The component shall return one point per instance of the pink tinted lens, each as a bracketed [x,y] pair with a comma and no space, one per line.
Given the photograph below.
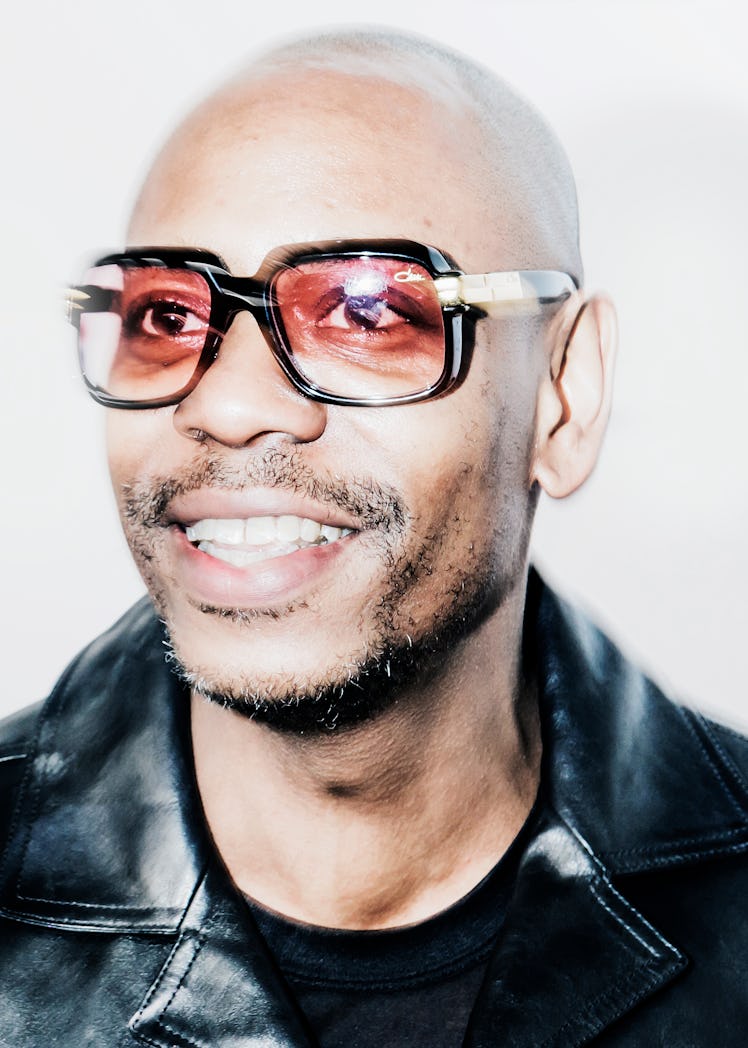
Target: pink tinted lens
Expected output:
[362,327]
[143,329]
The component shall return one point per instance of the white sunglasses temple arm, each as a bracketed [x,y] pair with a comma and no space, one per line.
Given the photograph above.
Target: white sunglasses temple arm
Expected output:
[533,285]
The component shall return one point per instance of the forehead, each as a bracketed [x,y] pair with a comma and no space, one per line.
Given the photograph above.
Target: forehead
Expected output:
[318,155]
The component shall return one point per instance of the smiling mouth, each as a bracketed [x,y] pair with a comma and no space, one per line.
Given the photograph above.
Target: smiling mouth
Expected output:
[251,541]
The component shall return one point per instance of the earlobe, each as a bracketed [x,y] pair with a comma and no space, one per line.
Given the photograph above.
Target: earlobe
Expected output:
[575,398]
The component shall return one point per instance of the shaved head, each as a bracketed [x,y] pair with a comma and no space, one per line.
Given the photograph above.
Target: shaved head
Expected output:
[499,158]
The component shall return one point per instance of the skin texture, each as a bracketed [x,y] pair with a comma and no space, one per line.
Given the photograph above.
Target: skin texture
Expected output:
[391,820]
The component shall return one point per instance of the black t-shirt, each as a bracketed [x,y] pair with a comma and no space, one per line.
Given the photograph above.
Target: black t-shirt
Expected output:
[412,986]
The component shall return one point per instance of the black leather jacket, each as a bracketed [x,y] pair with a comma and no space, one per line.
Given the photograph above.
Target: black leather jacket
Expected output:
[120,927]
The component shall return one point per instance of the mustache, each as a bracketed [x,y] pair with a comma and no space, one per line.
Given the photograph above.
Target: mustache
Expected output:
[375,505]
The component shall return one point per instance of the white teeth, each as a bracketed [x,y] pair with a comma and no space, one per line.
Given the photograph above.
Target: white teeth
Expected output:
[331,534]
[242,542]
[289,528]
[228,531]
[310,530]
[259,530]
[240,558]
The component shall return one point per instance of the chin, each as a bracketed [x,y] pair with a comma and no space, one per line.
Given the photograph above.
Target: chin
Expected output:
[274,654]
[308,702]
[355,689]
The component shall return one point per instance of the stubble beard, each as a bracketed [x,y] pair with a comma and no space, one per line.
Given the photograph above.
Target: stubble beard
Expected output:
[393,657]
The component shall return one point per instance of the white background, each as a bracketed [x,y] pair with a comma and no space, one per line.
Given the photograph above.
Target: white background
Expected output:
[651,101]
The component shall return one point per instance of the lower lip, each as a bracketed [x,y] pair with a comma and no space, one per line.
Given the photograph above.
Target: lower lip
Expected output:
[211,581]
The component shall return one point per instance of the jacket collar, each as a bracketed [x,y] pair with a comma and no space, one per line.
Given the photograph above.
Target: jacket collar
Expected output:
[639,778]
[566,926]
[109,836]
[110,829]
[572,955]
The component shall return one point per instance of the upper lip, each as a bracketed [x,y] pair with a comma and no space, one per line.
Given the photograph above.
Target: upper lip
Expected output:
[223,504]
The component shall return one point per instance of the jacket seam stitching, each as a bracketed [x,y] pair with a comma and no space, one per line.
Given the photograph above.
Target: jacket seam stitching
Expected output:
[690,719]
[158,979]
[671,851]
[182,1039]
[619,920]
[668,848]
[738,736]
[113,906]
[600,878]
[29,785]
[722,753]
[691,856]
[589,1012]
[198,942]
[52,921]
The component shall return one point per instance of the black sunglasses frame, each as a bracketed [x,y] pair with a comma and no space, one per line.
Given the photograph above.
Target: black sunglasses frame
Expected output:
[231,295]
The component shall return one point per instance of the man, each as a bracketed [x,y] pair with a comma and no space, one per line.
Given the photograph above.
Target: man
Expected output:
[389,789]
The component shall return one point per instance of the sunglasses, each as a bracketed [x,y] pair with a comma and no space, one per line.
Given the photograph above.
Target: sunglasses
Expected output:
[361,323]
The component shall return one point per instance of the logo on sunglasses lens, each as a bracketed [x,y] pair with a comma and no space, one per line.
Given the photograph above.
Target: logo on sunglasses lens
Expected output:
[407,276]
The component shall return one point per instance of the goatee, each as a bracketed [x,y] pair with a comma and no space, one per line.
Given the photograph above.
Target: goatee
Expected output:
[373,686]
[393,656]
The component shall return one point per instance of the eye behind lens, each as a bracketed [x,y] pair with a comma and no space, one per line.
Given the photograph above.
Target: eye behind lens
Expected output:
[145,344]
[361,327]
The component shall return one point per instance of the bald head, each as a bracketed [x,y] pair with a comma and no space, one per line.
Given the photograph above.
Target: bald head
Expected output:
[469,158]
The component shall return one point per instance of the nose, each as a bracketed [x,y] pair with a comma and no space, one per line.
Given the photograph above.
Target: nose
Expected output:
[245,395]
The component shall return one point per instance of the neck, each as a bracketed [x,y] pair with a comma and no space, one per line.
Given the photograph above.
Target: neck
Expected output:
[392,821]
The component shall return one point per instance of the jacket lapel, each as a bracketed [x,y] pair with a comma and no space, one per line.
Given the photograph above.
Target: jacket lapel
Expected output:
[631,784]
[110,838]
[572,956]
[220,986]
[635,775]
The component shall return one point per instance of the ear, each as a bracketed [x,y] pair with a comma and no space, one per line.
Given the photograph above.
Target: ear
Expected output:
[574,399]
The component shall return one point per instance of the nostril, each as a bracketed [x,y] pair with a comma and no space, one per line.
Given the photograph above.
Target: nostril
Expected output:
[198,435]
[244,395]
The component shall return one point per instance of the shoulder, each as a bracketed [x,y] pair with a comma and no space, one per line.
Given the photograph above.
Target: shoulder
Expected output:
[647,782]
[730,746]
[135,633]
[17,734]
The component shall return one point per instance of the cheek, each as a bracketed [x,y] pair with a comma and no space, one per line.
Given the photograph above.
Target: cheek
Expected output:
[458,462]
[510,359]
[470,456]
[135,443]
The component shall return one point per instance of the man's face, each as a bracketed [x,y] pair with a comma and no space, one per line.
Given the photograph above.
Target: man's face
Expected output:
[428,503]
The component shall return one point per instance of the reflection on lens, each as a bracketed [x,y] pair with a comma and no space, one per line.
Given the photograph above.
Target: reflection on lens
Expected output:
[142,329]
[361,327]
